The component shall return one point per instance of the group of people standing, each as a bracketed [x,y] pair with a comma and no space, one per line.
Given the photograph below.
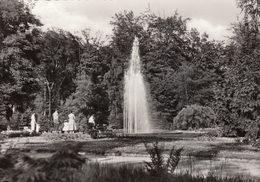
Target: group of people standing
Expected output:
[68,126]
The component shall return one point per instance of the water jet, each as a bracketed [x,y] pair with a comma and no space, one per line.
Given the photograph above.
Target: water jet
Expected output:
[136,112]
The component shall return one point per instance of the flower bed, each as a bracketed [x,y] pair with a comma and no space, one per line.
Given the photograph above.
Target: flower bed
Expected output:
[15,133]
[65,136]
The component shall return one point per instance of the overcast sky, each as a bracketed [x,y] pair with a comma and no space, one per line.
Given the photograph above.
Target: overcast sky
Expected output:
[211,16]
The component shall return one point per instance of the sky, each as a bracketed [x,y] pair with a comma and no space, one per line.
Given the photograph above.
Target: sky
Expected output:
[211,16]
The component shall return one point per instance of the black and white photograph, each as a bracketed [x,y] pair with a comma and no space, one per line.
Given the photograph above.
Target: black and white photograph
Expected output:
[129,90]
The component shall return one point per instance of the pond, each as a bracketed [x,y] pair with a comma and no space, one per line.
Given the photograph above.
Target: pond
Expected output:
[196,166]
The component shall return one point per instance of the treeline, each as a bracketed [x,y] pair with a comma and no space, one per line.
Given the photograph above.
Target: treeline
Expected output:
[54,69]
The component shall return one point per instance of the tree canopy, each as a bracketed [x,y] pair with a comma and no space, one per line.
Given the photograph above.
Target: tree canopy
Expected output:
[54,69]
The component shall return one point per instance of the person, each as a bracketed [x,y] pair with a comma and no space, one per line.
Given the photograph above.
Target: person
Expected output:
[72,124]
[37,127]
[33,122]
[66,126]
[55,116]
[91,121]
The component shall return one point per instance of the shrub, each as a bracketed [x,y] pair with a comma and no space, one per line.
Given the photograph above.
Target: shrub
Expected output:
[64,165]
[158,166]
[45,123]
[19,120]
[2,136]
[195,117]
[15,133]
[213,132]
[65,136]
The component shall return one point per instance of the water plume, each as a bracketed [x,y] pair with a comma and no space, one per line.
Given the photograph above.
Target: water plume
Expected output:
[136,116]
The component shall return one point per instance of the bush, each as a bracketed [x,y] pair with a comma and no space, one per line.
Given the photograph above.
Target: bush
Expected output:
[2,136]
[15,133]
[195,117]
[65,136]
[213,132]
[19,120]
[45,123]
[157,167]
[64,165]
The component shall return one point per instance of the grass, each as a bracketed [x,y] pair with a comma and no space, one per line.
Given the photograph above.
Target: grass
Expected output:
[95,172]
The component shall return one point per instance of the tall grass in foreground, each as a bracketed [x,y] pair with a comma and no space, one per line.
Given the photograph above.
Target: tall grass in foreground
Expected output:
[157,166]
[96,172]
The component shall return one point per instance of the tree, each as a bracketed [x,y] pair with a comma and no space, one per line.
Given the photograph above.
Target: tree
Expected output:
[237,96]
[180,64]
[95,59]
[17,58]
[248,28]
[15,17]
[126,27]
[60,51]
[90,96]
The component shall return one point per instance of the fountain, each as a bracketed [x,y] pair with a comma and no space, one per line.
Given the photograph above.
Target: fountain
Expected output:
[136,116]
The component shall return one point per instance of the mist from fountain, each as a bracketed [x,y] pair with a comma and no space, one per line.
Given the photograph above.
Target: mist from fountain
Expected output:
[136,116]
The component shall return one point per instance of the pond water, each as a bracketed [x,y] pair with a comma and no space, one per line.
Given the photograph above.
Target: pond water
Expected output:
[219,166]
[197,166]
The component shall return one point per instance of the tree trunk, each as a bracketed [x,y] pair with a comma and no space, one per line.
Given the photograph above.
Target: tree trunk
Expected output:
[184,80]
[186,93]
[50,87]
[50,105]
[58,89]
[44,99]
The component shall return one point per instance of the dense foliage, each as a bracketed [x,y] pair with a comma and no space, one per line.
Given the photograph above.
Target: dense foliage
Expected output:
[195,117]
[44,71]
[237,94]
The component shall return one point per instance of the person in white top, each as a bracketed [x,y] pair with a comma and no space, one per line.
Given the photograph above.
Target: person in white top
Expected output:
[72,124]
[33,122]
[55,116]
[37,127]
[66,126]
[91,120]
